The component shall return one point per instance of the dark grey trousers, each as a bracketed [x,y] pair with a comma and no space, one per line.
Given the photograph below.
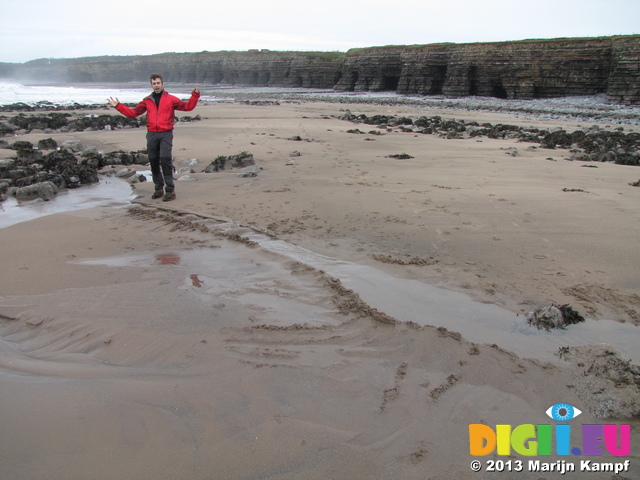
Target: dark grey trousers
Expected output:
[159,145]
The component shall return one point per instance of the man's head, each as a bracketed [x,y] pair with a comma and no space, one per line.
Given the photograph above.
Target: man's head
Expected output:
[156,83]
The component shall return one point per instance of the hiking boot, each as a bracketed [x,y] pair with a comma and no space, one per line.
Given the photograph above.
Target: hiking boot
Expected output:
[157,194]
[169,196]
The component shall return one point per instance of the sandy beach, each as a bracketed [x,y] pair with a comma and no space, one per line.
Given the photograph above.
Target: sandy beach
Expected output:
[268,326]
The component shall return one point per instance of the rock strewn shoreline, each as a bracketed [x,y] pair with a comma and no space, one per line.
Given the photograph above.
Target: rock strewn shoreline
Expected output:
[75,166]
[592,144]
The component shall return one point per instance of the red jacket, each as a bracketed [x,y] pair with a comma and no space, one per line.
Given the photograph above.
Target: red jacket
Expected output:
[160,119]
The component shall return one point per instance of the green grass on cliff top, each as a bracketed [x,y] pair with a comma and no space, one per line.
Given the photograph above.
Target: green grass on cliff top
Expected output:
[356,51]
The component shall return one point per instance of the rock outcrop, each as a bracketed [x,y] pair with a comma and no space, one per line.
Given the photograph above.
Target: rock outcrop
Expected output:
[30,174]
[514,70]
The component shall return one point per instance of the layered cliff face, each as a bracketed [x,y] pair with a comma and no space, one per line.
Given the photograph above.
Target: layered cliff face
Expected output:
[515,70]
[253,68]
[524,69]
[624,81]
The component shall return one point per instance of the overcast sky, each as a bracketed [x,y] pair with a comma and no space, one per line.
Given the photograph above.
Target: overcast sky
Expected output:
[78,28]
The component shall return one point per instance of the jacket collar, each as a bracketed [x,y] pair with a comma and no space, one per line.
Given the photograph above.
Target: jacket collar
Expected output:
[164,92]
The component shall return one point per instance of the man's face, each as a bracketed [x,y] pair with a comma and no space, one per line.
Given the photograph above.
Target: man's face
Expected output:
[157,85]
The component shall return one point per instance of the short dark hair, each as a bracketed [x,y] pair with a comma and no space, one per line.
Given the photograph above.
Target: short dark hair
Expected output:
[156,75]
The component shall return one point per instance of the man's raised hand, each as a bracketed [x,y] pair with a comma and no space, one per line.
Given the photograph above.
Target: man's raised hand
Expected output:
[113,102]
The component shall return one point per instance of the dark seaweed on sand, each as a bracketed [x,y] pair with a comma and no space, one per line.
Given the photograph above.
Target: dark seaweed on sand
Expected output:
[569,315]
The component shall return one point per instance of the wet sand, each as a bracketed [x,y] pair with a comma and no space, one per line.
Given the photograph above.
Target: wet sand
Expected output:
[170,342]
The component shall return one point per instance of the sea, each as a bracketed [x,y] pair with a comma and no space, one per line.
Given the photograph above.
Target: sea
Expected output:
[97,94]
[63,95]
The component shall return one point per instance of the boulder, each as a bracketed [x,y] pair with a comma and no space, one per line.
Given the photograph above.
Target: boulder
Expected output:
[108,172]
[137,179]
[189,162]
[7,129]
[74,146]
[44,190]
[93,160]
[65,164]
[240,160]
[73,182]
[125,173]
[29,155]
[47,144]
[513,151]
[141,159]
[187,178]
[250,172]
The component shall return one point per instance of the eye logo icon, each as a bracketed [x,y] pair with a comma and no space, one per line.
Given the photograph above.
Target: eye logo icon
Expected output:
[563,412]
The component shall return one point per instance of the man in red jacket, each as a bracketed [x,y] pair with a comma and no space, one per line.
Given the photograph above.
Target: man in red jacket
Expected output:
[160,108]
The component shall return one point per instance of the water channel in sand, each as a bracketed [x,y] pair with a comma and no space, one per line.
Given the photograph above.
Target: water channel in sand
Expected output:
[107,191]
[212,273]
[228,269]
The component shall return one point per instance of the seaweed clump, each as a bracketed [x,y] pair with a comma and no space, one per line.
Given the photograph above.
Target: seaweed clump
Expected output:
[554,316]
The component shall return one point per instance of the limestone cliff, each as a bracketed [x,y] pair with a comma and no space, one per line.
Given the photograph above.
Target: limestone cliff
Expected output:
[524,69]
[253,68]
[516,70]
